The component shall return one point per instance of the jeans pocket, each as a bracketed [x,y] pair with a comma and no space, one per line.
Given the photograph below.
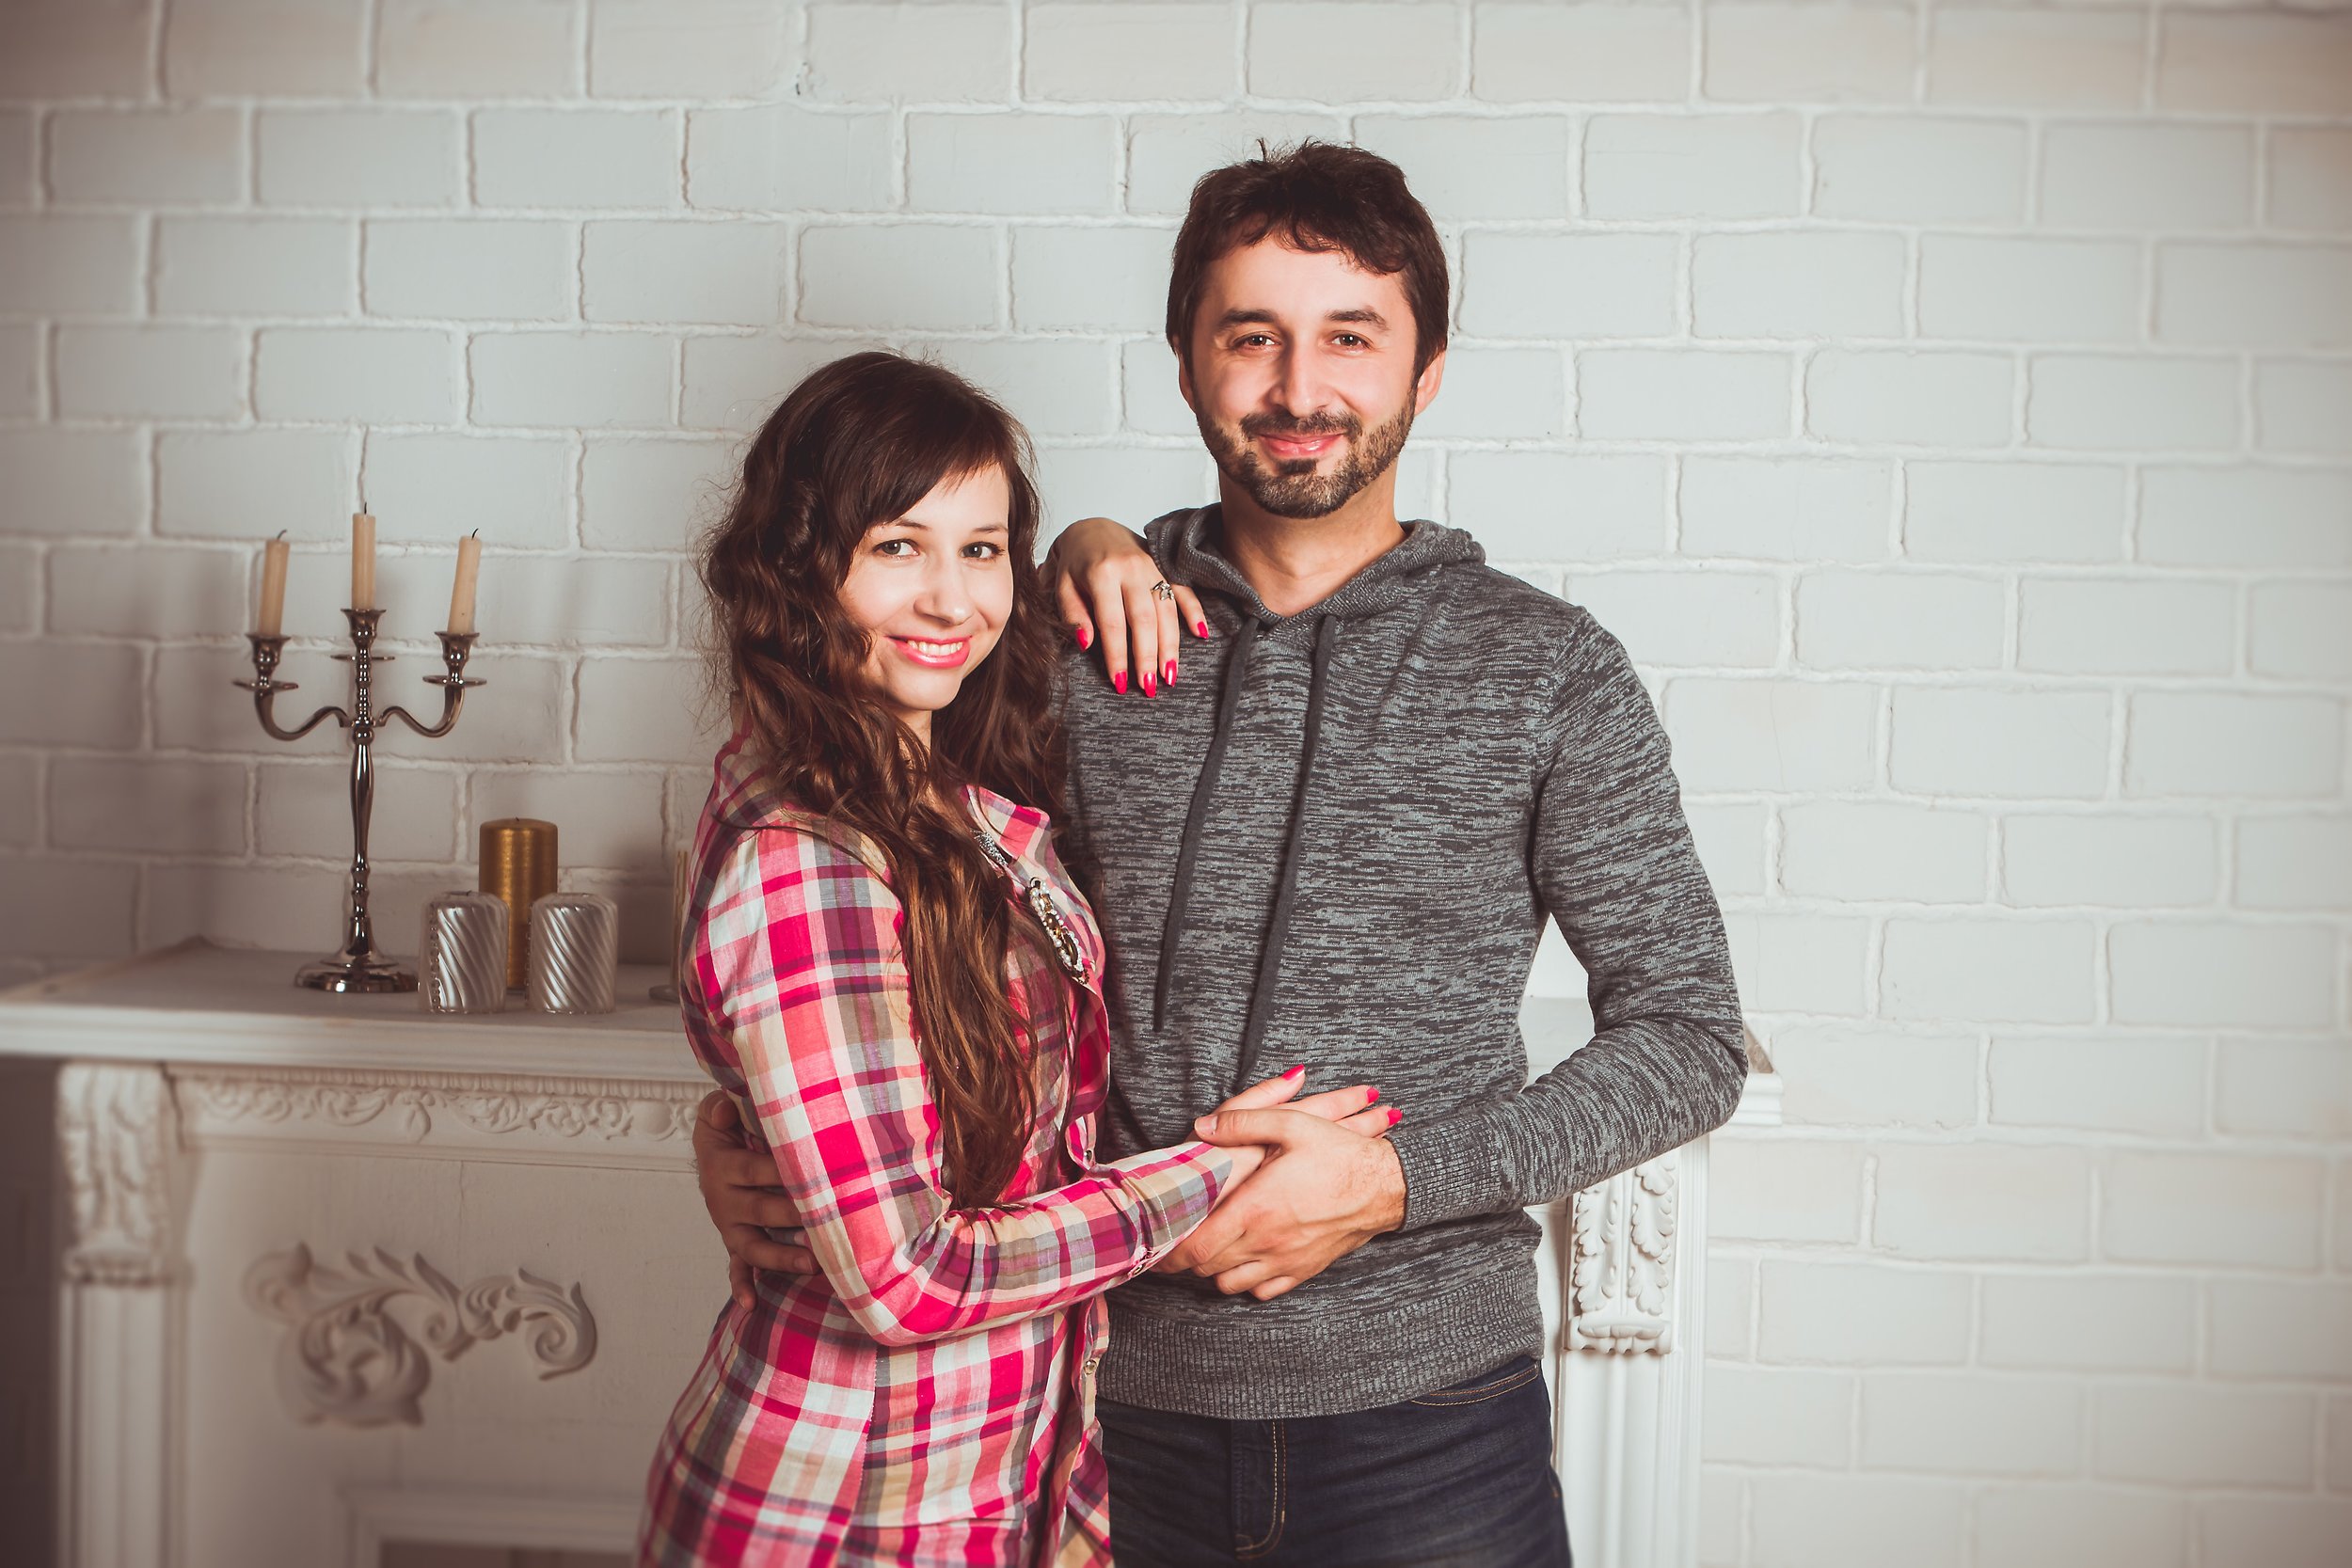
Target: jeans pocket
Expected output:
[1512,1375]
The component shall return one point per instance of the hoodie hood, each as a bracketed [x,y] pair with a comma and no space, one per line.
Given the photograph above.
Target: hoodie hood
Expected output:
[1187,546]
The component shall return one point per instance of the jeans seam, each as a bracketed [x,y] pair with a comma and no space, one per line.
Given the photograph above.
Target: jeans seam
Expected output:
[1510,1383]
[1273,1531]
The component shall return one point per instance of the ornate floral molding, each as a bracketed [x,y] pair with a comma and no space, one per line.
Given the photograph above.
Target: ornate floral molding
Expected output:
[115,1129]
[348,1360]
[424,1108]
[1621,1263]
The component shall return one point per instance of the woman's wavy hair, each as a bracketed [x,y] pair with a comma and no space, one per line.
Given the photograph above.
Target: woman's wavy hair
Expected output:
[860,442]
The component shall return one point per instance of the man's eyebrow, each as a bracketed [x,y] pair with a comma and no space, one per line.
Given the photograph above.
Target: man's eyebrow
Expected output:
[1363,314]
[1238,317]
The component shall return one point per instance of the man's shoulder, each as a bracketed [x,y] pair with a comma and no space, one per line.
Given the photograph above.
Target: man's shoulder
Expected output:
[1537,617]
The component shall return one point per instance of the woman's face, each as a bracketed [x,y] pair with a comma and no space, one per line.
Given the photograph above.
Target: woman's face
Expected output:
[932,590]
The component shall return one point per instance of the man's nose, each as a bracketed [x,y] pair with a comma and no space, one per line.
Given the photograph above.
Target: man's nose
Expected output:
[1299,387]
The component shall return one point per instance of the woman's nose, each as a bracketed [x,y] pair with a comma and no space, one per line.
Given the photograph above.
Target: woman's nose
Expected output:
[942,595]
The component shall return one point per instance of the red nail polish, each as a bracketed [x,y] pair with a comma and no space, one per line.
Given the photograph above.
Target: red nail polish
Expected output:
[1085,638]
[1201,628]
[1395,1116]
[1293,1072]
[1169,672]
[1375,1095]
[1151,689]
[1119,682]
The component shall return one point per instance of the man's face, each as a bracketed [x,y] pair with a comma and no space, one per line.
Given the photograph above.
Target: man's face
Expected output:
[1301,375]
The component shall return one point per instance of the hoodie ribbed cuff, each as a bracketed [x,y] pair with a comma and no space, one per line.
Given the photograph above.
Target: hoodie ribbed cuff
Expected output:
[1451,1170]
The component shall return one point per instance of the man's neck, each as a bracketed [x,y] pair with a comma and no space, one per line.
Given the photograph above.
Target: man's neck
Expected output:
[1295,563]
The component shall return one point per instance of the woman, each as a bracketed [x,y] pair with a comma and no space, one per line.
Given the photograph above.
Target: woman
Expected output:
[892,972]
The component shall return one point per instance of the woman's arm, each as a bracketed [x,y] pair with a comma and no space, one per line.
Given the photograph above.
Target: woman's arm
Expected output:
[1102,575]
[800,947]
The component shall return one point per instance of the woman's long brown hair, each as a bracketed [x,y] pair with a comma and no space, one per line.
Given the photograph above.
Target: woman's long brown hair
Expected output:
[860,442]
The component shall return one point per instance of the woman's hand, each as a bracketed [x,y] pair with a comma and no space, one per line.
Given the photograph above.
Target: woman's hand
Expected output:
[1102,575]
[1353,1108]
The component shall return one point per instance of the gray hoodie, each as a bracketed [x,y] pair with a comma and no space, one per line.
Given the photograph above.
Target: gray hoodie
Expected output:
[1335,841]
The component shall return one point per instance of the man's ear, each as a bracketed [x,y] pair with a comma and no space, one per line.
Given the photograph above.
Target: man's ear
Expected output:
[1183,377]
[1426,384]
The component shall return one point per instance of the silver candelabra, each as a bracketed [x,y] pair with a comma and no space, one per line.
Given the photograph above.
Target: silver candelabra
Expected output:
[359,967]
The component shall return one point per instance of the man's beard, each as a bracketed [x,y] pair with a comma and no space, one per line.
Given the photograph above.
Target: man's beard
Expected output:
[1295,489]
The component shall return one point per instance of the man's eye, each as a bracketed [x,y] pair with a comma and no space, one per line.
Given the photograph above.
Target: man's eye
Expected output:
[1349,340]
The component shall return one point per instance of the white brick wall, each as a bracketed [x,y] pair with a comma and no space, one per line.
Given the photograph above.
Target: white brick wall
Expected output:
[1950,405]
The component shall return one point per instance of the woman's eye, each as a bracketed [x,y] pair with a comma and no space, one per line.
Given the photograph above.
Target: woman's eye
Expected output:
[895,548]
[982,551]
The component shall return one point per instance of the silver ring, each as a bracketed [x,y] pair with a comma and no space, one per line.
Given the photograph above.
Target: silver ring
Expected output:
[1162,590]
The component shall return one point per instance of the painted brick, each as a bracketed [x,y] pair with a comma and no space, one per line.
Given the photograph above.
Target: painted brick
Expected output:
[2146,176]
[2255,295]
[214,48]
[1911,398]
[150,371]
[2006,290]
[571,378]
[2026,971]
[2310,179]
[1140,482]
[733,383]
[161,805]
[1918,170]
[164,590]
[1477,167]
[1161,52]
[2203,1210]
[2245,517]
[643,710]
[1053,386]
[2263,64]
[1785,509]
[166,157]
[1856,1075]
[477,49]
[1730,1309]
[1550,506]
[2069,1525]
[374,375]
[1797,285]
[1580,53]
[61,908]
[2302,408]
[2012,512]
[18,175]
[1778,1416]
[1354,51]
[2126,861]
[1799,963]
[1090,278]
[2279,1329]
[1166,154]
[1490,394]
[251,484]
[1857,849]
[2186,1435]
[2132,401]
[2082,626]
[234,266]
[358,158]
[1702,166]
[907,275]
[19,800]
[2293,862]
[524,714]
[74,51]
[2035,58]
[1730,840]
[777,158]
[1686,618]
[2088,1323]
[277,908]
[1800,1521]
[1780,1190]
[1989,1202]
[624,812]
[72,482]
[1899,620]
[921,53]
[1683,394]
[652,495]
[728,273]
[1858,1314]
[2302,630]
[473,269]
[2222,974]
[304,809]
[2295,1088]
[514,489]
[1958,742]
[2108,1083]
[1970,1424]
[93,694]
[1568,285]
[691,49]
[2277,1532]
[1011,163]
[1810,54]
[62,263]
[1780,736]
[2221,743]
[579,157]
[20,372]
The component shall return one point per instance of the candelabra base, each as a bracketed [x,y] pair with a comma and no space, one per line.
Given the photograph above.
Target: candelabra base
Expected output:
[350,974]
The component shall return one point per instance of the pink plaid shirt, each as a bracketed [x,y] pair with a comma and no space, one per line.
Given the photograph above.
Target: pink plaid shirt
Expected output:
[928,1398]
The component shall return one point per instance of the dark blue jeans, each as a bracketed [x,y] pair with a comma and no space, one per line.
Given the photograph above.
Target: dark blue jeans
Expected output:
[1460,1477]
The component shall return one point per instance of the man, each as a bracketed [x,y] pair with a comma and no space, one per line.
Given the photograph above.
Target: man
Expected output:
[1338,845]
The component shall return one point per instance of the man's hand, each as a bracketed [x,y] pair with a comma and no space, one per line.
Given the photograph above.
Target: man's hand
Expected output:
[1323,1192]
[740,1191]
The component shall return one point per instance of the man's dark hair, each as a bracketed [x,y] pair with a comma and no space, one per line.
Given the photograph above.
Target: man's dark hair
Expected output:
[1313,195]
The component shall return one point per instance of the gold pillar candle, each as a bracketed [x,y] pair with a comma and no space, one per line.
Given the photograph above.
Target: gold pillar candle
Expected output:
[518,866]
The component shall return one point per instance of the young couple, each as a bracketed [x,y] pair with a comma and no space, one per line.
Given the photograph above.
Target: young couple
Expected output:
[1017,980]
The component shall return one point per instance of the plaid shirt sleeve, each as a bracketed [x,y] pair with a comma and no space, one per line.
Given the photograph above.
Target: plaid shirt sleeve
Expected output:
[801,958]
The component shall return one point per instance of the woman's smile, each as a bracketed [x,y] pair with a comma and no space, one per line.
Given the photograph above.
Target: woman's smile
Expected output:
[934,655]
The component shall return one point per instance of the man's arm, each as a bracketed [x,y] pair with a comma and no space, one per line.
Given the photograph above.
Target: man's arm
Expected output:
[1613,863]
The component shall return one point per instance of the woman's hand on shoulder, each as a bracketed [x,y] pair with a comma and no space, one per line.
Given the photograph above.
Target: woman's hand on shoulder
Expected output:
[1102,576]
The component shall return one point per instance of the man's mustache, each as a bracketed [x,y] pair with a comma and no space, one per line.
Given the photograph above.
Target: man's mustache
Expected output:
[1314,425]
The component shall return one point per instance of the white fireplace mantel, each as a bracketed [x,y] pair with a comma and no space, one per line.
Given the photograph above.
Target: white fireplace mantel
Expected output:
[337,1274]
